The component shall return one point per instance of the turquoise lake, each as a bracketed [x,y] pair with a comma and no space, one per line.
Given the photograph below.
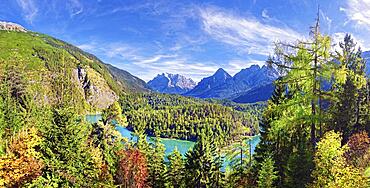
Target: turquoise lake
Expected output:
[170,144]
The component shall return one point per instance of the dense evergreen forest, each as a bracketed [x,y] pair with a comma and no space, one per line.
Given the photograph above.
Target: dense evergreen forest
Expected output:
[173,116]
[314,129]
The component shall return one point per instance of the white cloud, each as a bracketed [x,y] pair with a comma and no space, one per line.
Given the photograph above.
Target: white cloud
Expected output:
[146,67]
[247,34]
[326,19]
[29,9]
[87,47]
[358,11]
[173,64]
[236,65]
[155,58]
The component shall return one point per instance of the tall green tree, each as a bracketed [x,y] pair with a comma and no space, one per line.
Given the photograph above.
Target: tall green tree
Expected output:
[176,169]
[157,167]
[275,147]
[239,158]
[299,165]
[203,163]
[348,110]
[65,151]
[305,66]
[267,174]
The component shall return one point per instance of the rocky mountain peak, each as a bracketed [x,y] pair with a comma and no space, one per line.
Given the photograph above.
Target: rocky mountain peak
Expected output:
[9,26]
[171,83]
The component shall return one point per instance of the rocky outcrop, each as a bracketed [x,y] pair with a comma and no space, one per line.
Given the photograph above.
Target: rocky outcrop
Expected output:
[96,90]
[9,26]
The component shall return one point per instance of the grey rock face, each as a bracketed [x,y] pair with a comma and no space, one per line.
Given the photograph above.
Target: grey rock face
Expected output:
[171,83]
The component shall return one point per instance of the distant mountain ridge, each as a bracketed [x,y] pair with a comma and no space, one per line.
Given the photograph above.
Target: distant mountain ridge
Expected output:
[171,83]
[206,86]
[223,86]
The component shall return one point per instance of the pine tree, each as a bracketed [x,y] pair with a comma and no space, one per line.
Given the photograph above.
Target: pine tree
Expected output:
[68,161]
[272,146]
[267,174]
[299,165]
[203,164]
[157,167]
[348,113]
[239,158]
[176,169]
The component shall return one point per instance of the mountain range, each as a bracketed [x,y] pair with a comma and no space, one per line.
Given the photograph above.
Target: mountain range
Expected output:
[252,84]
[223,86]
[99,83]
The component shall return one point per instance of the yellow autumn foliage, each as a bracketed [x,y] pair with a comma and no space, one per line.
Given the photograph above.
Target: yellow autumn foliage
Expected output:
[21,164]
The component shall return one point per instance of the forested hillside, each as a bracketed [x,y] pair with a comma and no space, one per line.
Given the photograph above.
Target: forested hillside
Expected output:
[39,63]
[173,116]
[47,86]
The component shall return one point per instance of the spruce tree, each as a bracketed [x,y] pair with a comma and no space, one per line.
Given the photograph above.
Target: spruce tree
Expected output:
[272,146]
[176,169]
[349,109]
[203,163]
[65,152]
[267,174]
[157,167]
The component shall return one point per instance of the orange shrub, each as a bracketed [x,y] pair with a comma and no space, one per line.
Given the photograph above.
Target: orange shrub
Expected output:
[21,163]
[132,169]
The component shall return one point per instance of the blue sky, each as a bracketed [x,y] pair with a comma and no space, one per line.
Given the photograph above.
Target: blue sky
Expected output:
[189,37]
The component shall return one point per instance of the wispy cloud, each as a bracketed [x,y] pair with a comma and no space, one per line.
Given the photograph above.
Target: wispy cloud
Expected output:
[358,11]
[87,47]
[247,34]
[75,7]
[327,20]
[146,67]
[29,9]
[235,65]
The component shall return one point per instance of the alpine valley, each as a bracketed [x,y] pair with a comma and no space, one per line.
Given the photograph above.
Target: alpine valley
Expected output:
[75,110]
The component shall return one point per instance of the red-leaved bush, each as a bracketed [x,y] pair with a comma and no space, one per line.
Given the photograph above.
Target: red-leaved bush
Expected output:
[358,154]
[132,169]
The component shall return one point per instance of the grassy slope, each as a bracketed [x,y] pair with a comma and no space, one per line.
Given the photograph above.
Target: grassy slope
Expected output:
[39,58]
